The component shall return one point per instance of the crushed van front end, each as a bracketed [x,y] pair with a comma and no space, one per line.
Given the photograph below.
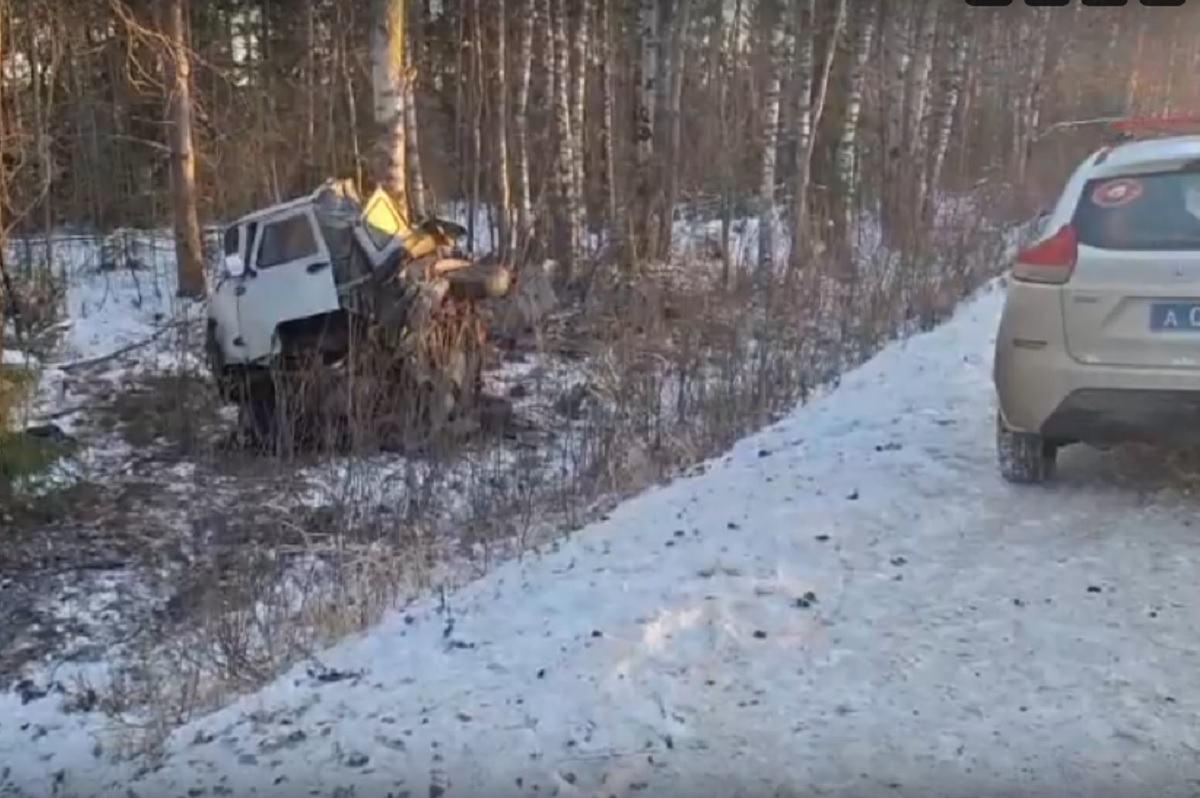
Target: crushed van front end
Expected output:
[339,307]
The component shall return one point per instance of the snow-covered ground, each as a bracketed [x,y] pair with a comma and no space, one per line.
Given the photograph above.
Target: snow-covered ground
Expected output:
[849,602]
[94,583]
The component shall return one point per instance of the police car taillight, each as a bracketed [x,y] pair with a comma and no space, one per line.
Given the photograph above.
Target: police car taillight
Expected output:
[1051,261]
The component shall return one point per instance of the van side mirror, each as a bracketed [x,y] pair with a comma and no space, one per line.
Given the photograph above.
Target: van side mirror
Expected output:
[234,265]
[1039,224]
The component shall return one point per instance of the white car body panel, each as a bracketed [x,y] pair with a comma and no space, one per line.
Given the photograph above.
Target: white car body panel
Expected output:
[247,309]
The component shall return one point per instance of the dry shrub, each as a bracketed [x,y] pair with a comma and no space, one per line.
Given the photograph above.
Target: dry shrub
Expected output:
[12,391]
[7,388]
[17,382]
[32,311]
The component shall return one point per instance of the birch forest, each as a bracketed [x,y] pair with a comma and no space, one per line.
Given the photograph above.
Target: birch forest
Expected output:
[579,131]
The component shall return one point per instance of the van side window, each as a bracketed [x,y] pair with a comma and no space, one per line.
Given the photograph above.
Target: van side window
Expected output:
[285,241]
[231,240]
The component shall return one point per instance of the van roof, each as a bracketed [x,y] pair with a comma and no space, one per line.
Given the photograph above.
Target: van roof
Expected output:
[273,210]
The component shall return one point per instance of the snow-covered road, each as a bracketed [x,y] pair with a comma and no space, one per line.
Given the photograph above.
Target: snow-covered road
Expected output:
[851,602]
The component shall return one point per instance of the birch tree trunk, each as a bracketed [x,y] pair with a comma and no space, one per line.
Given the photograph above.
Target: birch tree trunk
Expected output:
[416,175]
[917,123]
[822,86]
[897,46]
[847,146]
[310,91]
[671,157]
[43,75]
[578,224]
[730,56]
[618,225]
[1133,91]
[189,252]
[970,80]
[564,160]
[388,77]
[777,37]
[806,13]
[1168,87]
[461,151]
[501,128]
[1019,93]
[6,281]
[919,73]
[1041,64]
[551,213]
[525,77]
[1028,99]
[644,130]
[477,93]
[944,121]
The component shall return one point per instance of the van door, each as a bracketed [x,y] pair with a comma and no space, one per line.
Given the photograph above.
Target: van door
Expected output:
[289,276]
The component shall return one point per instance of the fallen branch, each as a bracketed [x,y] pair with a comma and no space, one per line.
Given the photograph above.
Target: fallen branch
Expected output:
[67,411]
[75,365]
[57,327]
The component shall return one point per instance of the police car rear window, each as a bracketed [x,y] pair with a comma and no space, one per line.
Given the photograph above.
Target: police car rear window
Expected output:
[1159,211]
